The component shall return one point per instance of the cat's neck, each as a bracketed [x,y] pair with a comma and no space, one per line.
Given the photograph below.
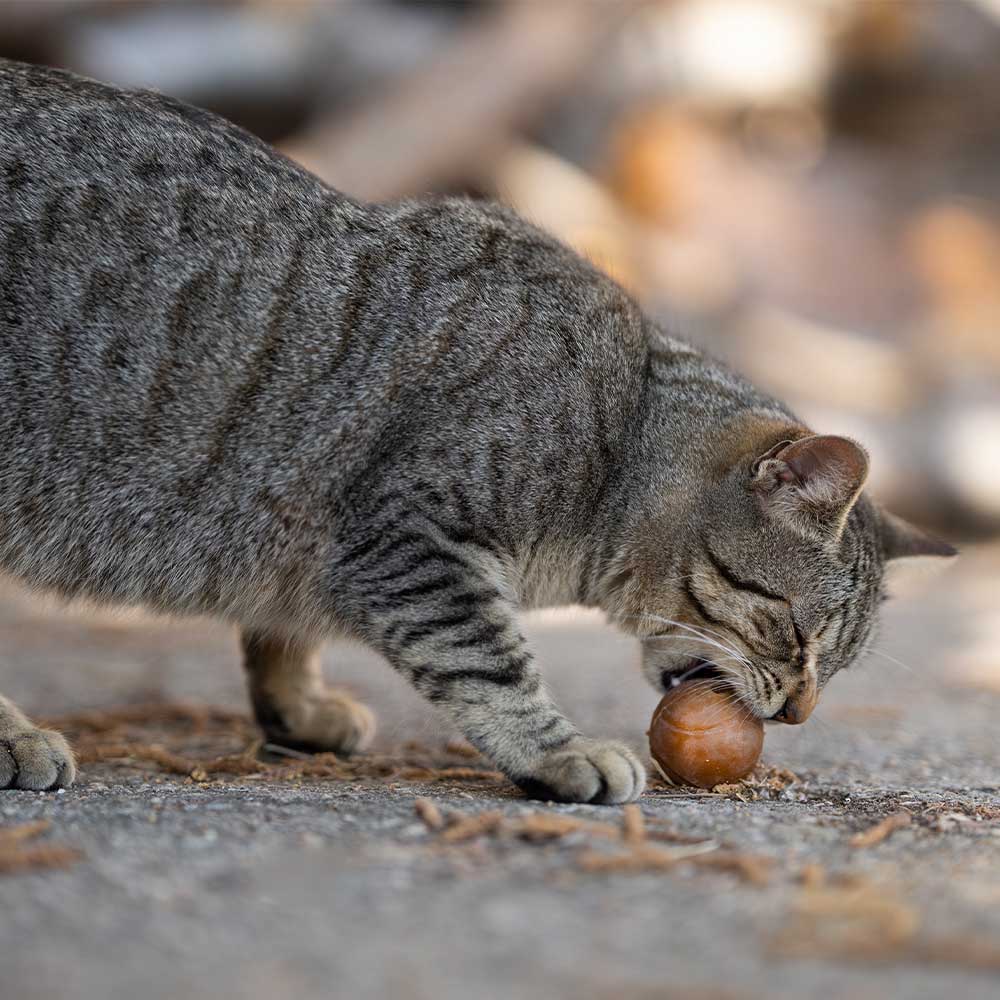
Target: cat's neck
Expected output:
[548,573]
[640,549]
[697,419]
[556,572]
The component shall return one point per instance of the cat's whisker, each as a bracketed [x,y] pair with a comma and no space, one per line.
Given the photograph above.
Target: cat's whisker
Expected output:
[729,650]
[890,658]
[704,683]
[704,629]
[708,635]
[687,638]
[676,679]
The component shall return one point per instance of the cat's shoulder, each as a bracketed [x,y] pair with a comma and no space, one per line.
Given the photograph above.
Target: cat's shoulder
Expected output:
[476,237]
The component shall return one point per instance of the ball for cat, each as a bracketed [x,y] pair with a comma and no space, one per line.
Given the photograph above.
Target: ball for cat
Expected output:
[703,736]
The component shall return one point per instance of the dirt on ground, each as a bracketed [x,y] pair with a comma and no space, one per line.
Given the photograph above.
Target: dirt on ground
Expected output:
[862,858]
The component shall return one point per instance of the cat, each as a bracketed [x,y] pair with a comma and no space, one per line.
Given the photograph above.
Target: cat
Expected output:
[230,390]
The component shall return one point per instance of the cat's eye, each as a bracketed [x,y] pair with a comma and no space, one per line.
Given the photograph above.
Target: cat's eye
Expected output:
[799,637]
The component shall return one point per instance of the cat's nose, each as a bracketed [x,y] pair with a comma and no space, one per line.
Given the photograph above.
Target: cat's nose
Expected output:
[797,709]
[799,706]
[782,714]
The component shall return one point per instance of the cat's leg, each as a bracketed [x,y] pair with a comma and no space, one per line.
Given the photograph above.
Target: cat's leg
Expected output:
[31,757]
[461,648]
[293,705]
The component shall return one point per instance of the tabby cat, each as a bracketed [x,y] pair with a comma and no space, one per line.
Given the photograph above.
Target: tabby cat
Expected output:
[230,390]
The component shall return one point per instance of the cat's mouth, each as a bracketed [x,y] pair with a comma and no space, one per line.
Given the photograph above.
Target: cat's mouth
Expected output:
[693,669]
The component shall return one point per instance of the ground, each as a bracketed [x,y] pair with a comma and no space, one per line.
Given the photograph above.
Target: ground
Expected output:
[165,872]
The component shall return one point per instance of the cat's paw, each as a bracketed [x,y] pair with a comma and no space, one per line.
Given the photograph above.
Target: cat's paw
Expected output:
[599,771]
[328,721]
[35,759]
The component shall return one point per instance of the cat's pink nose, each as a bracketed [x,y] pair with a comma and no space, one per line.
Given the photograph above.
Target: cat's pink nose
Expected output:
[797,709]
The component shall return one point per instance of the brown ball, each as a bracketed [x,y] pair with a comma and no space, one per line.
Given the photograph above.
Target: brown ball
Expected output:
[702,736]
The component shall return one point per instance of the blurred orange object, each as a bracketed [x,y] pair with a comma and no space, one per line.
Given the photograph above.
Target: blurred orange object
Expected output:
[660,159]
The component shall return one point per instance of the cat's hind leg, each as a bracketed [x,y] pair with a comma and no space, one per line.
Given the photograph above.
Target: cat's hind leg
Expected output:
[293,705]
[31,757]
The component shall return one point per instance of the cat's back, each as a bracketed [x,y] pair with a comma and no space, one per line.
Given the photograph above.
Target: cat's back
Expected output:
[169,286]
[59,129]
[127,215]
[202,347]
[147,248]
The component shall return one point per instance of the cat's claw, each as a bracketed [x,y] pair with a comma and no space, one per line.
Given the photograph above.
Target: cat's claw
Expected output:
[35,759]
[597,771]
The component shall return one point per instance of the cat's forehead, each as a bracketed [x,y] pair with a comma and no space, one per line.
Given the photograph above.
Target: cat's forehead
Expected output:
[777,552]
[846,578]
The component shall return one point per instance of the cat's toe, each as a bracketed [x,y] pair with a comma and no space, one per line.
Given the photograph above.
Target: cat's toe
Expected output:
[332,721]
[342,724]
[35,759]
[588,771]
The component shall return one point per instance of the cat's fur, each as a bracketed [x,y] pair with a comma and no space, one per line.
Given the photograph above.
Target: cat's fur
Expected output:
[229,389]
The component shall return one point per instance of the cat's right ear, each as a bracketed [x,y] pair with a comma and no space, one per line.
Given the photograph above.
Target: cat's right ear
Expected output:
[812,482]
[910,554]
[901,540]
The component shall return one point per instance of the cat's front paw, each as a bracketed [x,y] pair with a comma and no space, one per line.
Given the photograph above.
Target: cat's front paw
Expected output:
[35,759]
[599,771]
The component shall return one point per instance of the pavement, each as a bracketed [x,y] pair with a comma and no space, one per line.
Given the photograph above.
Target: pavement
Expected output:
[274,884]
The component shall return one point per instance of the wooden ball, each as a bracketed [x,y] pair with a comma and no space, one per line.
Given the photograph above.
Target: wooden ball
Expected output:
[702,736]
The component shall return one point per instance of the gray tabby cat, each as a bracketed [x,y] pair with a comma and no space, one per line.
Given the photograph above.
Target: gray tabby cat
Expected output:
[229,389]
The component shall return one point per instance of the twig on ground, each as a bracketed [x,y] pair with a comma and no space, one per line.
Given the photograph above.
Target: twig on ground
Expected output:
[813,876]
[881,830]
[16,855]
[862,922]
[753,868]
[633,824]
[643,858]
[121,736]
[540,826]
[429,814]
[469,827]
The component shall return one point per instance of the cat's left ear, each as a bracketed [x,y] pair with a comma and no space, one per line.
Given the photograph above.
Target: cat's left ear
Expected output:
[813,482]
[901,540]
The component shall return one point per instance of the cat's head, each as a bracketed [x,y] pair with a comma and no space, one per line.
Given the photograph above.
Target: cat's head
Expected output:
[780,579]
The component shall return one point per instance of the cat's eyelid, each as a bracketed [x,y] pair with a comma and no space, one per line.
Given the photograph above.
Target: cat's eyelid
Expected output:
[749,586]
[799,637]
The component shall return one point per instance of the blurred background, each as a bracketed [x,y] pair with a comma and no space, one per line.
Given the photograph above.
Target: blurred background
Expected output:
[809,188]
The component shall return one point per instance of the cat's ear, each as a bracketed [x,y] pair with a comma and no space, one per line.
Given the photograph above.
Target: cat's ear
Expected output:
[901,540]
[814,482]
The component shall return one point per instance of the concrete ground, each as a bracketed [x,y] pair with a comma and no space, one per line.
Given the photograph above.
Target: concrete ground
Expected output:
[271,885]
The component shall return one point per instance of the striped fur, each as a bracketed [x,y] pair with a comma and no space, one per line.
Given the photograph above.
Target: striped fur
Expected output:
[229,389]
